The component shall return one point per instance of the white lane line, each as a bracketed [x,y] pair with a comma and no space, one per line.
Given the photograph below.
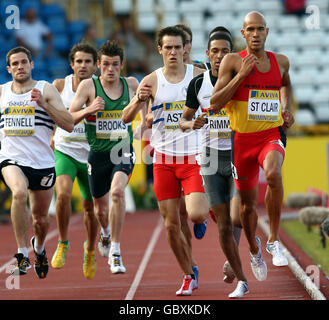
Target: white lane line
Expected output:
[49,236]
[146,258]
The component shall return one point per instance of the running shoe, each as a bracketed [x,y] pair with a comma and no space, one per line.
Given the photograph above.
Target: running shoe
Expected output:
[23,264]
[275,250]
[40,262]
[187,287]
[240,290]
[196,275]
[116,266]
[200,229]
[59,257]
[89,262]
[258,265]
[229,274]
[104,245]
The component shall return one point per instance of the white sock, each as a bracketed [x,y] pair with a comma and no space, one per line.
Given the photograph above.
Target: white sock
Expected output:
[115,248]
[106,231]
[24,251]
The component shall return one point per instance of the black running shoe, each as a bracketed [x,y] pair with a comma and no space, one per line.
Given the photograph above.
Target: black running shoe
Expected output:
[23,264]
[40,262]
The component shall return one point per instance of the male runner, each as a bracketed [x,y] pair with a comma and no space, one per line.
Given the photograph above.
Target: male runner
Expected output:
[29,111]
[71,155]
[111,158]
[174,166]
[256,86]
[216,155]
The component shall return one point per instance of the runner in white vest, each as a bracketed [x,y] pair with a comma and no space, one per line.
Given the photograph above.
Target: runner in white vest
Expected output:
[216,158]
[71,155]
[175,166]
[29,111]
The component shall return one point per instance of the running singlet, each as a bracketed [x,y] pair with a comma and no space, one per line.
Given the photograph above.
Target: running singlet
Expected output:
[72,143]
[105,129]
[26,129]
[167,108]
[256,106]
[216,133]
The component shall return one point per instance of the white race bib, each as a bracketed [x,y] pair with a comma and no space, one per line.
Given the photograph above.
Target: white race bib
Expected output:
[264,105]
[219,125]
[110,126]
[19,121]
[172,113]
[78,133]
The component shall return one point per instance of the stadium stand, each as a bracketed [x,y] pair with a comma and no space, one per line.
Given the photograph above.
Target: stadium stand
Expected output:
[290,34]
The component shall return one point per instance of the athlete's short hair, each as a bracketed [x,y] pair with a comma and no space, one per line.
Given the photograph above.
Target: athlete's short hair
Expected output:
[170,31]
[111,49]
[221,36]
[219,29]
[17,50]
[185,28]
[83,47]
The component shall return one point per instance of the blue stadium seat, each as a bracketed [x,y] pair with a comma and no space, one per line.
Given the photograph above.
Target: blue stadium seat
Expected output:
[58,67]
[61,42]
[40,65]
[52,9]
[78,26]
[41,75]
[26,4]
[57,24]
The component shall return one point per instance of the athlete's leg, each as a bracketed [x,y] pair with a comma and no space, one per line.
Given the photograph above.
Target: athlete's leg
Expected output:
[90,220]
[91,223]
[170,211]
[17,183]
[248,216]
[235,217]
[226,239]
[64,185]
[39,204]
[101,207]
[186,228]
[274,191]
[197,206]
[118,205]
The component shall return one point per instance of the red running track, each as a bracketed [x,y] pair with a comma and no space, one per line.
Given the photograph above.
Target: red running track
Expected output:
[152,271]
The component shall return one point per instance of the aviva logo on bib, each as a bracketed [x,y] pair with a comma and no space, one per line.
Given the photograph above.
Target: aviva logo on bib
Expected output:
[264,94]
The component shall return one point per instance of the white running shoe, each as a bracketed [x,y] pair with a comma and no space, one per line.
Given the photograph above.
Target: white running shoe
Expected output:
[104,245]
[240,290]
[274,248]
[258,265]
[187,287]
[115,262]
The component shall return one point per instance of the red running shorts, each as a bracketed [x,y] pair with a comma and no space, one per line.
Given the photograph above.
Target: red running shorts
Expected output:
[171,174]
[249,151]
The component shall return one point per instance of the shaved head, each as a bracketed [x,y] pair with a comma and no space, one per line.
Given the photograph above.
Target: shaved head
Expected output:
[254,17]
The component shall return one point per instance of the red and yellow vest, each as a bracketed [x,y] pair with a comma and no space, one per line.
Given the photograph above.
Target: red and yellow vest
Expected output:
[255,106]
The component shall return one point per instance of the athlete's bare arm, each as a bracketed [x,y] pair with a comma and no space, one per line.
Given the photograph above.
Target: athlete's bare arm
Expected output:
[52,103]
[226,84]
[85,95]
[145,92]
[186,122]
[286,90]
[149,117]
[59,84]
